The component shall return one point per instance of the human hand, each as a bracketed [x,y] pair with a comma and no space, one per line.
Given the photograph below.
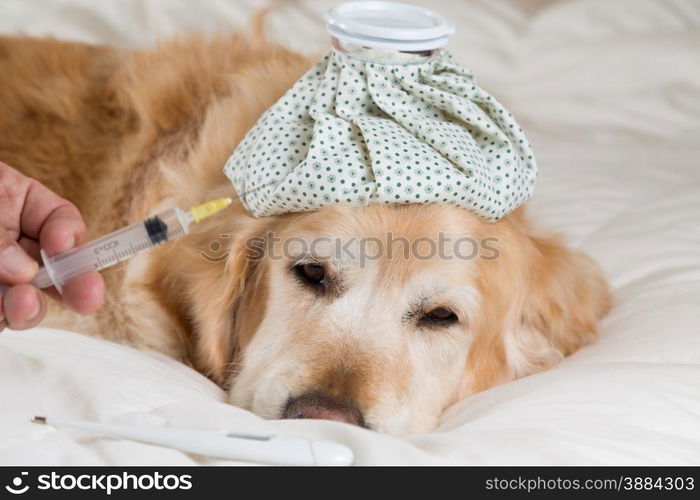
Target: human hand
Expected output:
[34,217]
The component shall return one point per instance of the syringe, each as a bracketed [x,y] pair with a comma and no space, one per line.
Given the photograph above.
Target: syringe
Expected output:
[121,245]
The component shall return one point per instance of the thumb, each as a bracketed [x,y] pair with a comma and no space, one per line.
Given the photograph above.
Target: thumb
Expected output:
[15,265]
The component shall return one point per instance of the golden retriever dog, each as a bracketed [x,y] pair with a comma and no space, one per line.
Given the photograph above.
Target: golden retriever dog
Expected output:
[386,342]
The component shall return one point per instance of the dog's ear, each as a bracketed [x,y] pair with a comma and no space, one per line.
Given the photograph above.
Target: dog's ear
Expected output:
[567,295]
[218,274]
[541,301]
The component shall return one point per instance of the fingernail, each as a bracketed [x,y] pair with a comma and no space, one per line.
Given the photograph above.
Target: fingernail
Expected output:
[70,243]
[36,310]
[15,262]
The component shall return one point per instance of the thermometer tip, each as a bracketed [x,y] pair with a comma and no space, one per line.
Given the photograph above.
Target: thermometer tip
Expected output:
[39,420]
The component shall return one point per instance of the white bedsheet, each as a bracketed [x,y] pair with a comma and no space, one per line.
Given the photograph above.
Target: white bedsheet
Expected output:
[609,93]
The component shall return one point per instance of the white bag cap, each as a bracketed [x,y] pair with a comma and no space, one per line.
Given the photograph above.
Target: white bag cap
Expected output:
[388,25]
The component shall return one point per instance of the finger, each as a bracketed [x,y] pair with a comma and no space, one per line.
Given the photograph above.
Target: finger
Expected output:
[62,230]
[24,306]
[3,324]
[54,222]
[13,190]
[85,293]
[31,247]
[83,296]
[15,265]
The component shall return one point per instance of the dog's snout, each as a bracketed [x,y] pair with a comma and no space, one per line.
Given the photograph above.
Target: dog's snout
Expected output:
[322,408]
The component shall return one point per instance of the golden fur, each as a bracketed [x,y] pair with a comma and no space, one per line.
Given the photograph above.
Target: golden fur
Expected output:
[124,133]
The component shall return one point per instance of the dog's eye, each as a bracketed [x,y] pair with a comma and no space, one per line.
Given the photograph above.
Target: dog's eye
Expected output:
[440,316]
[313,274]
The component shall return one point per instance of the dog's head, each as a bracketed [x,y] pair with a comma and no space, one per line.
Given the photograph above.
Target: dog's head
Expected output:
[380,316]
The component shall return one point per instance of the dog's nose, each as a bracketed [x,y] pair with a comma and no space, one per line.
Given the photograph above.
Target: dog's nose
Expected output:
[322,408]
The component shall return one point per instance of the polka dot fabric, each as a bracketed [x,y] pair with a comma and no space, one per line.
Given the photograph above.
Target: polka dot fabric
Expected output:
[356,131]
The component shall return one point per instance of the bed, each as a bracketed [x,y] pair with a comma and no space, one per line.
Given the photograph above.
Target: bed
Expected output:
[609,94]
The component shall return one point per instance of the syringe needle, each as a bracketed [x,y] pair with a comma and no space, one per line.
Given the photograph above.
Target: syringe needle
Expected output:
[201,212]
